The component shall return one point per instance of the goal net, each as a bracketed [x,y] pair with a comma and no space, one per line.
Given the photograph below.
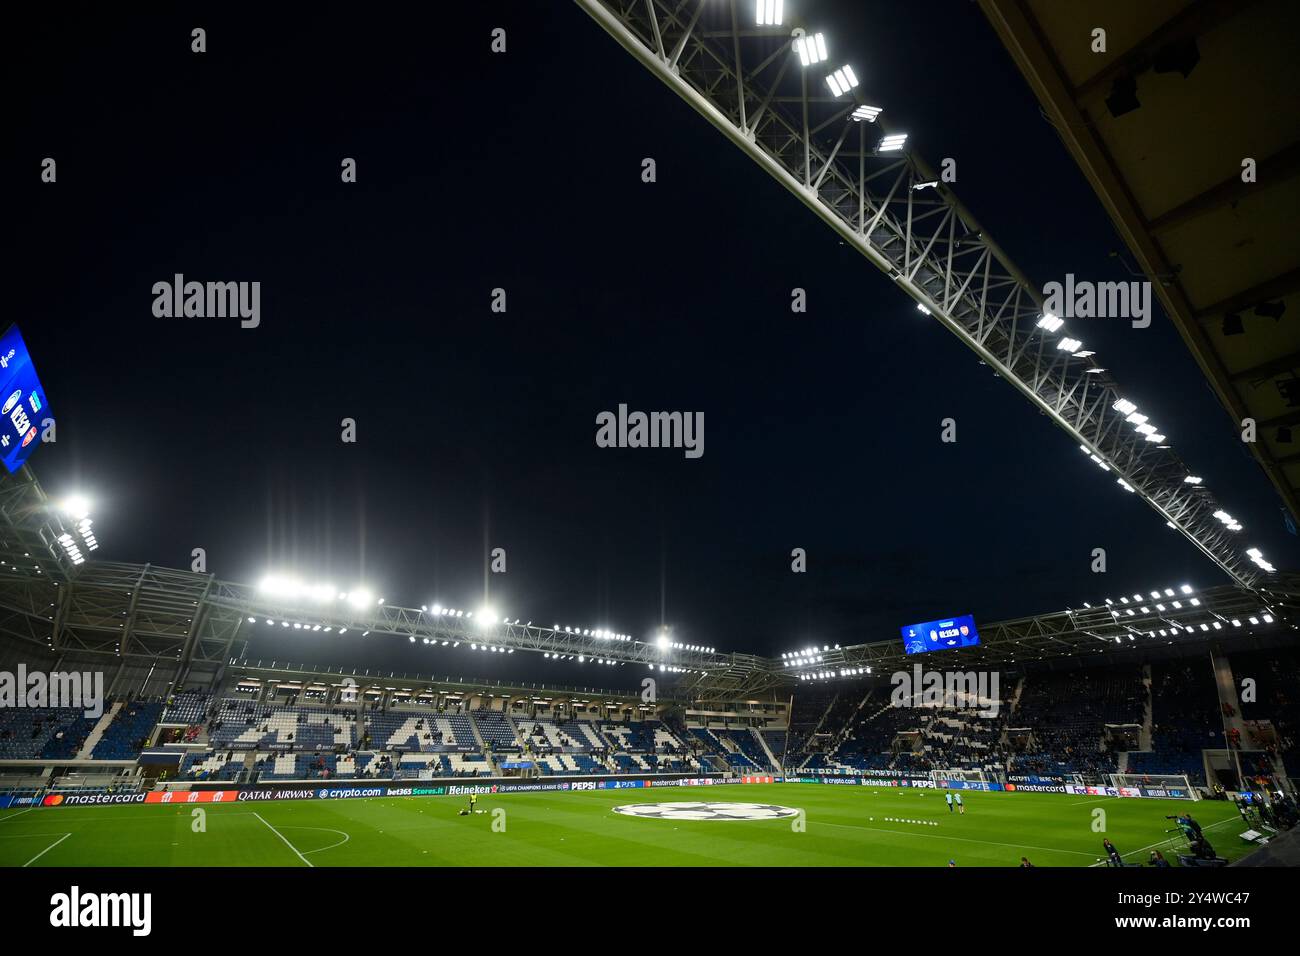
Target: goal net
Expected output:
[960,779]
[1169,785]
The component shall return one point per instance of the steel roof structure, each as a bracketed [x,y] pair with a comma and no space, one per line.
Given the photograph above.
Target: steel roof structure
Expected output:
[193,625]
[749,81]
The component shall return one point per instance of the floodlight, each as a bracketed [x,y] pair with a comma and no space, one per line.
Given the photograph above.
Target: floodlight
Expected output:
[891,143]
[842,80]
[1069,345]
[1050,322]
[769,13]
[867,113]
[76,506]
[811,49]
[1124,407]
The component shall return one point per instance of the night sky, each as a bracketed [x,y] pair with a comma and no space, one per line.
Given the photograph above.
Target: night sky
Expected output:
[476,430]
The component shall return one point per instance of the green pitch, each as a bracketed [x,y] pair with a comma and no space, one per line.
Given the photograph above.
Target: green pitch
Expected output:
[839,826]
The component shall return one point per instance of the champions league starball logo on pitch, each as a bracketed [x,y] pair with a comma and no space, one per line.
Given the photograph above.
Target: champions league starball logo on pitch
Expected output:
[707,811]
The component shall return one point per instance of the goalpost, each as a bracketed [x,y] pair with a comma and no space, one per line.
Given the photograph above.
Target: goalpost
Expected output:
[964,779]
[1170,785]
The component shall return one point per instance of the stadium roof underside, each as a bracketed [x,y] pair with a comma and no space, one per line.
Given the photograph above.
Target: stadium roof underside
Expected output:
[891,206]
[1169,170]
[190,623]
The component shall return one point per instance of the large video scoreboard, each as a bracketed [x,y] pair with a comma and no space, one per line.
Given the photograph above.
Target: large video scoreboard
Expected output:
[24,411]
[940,635]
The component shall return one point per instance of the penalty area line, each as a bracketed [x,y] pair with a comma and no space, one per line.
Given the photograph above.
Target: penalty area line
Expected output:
[47,849]
[343,833]
[286,842]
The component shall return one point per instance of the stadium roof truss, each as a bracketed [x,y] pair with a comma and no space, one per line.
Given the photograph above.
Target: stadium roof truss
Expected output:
[1106,629]
[193,622]
[893,208]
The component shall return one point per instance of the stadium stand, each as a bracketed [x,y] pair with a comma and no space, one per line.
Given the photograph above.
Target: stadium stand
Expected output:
[818,711]
[30,733]
[747,753]
[1277,679]
[776,742]
[1087,720]
[129,731]
[924,738]
[423,731]
[631,737]
[187,707]
[250,726]
[585,734]
[496,729]
[212,766]
[1186,720]
[1066,715]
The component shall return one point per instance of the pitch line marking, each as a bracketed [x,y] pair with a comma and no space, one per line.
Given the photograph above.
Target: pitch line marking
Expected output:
[10,816]
[47,849]
[286,842]
[343,833]
[936,836]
